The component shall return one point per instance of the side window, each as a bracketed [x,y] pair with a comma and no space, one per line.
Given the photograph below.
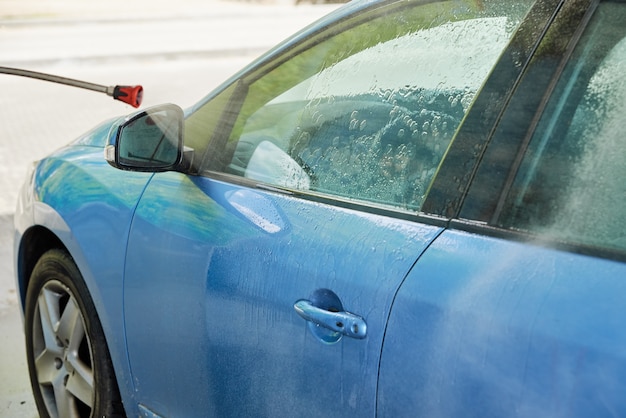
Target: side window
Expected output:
[571,184]
[368,112]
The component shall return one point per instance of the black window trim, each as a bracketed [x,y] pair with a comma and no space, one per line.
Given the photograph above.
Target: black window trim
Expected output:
[456,172]
[509,132]
[540,110]
[490,226]
[530,238]
[338,201]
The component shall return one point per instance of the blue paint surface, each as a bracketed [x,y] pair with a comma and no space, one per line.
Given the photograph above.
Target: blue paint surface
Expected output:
[498,328]
[210,319]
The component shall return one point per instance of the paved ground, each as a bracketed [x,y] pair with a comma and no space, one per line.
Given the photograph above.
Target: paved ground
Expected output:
[178,50]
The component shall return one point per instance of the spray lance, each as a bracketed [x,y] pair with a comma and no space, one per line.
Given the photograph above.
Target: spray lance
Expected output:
[127,94]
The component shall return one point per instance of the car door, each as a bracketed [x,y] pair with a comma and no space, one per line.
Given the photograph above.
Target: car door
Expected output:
[261,285]
[518,308]
[210,295]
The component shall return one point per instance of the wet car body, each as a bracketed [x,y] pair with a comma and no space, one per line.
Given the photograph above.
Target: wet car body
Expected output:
[430,221]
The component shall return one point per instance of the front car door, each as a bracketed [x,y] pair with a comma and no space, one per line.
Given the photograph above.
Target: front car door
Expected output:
[311,170]
[518,309]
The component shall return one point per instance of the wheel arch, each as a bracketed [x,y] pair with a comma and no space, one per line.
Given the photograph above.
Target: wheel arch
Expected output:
[35,241]
[33,244]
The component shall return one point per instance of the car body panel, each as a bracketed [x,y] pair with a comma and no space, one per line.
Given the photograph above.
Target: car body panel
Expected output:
[504,328]
[78,198]
[219,292]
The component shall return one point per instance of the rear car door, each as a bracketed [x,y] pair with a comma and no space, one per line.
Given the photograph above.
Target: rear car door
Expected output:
[518,309]
[262,285]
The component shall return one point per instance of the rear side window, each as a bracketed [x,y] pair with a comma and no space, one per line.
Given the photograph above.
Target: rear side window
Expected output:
[368,111]
[571,185]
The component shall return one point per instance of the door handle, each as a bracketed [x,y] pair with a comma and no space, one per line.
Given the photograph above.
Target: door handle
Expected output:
[345,323]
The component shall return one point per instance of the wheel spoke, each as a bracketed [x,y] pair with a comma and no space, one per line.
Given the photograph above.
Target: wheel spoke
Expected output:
[47,366]
[47,350]
[65,402]
[71,330]
[80,383]
[48,304]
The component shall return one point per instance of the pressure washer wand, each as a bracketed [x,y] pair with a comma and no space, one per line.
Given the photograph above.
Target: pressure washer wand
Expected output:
[133,95]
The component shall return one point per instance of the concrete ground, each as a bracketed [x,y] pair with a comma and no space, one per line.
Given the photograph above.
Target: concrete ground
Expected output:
[15,396]
[178,50]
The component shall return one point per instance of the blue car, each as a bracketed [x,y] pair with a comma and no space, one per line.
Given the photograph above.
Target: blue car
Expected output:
[409,208]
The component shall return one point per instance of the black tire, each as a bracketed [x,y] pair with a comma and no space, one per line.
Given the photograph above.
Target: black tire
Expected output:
[69,363]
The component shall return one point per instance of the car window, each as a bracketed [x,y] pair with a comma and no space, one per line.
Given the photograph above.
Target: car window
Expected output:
[368,111]
[570,185]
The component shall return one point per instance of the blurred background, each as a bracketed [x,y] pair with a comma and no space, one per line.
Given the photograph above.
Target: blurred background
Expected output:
[177,50]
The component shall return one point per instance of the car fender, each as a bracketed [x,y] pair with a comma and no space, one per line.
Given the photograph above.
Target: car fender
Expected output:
[75,200]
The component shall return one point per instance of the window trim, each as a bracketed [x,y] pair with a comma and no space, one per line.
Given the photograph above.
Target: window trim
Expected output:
[357,205]
[490,226]
[574,41]
[530,238]
[511,133]
[452,184]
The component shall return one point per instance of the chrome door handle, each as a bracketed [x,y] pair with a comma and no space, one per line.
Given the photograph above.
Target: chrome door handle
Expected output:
[346,323]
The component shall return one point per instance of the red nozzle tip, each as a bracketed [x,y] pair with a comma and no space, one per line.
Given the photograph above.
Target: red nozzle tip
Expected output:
[133,95]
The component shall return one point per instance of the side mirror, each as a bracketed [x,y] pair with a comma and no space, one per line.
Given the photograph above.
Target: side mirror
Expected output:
[148,140]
